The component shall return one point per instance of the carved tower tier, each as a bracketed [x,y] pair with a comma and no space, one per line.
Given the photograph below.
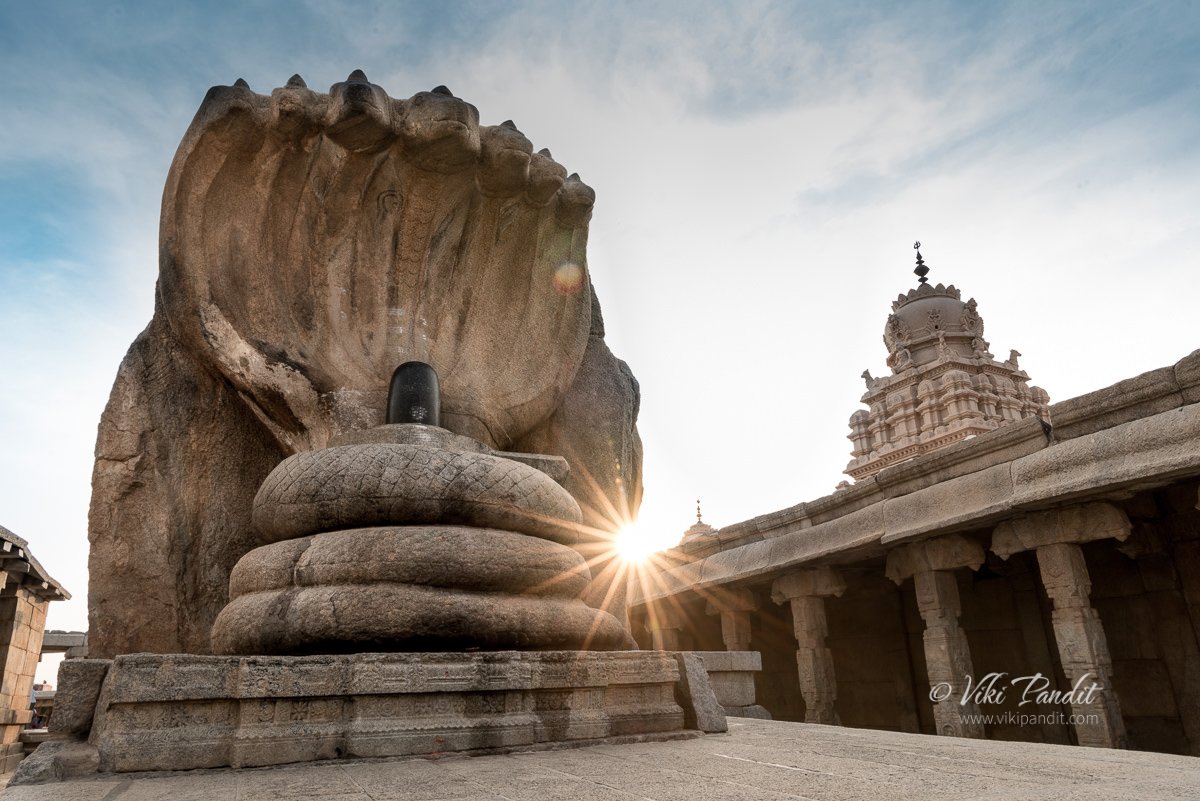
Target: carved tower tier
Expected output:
[945,384]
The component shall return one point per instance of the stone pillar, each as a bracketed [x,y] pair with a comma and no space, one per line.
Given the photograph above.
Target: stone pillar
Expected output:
[1055,536]
[931,564]
[665,624]
[734,607]
[22,624]
[807,590]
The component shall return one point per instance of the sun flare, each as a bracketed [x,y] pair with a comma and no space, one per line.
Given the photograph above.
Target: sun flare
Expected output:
[634,544]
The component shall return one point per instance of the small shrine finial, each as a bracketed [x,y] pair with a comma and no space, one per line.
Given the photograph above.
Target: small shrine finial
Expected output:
[698,520]
[921,270]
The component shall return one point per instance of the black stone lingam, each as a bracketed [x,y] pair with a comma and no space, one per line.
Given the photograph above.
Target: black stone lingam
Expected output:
[414,395]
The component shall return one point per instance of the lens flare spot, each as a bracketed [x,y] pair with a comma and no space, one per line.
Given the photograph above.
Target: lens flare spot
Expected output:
[634,545]
[568,278]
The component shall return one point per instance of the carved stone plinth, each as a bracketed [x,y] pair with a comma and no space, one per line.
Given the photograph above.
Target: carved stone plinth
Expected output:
[947,653]
[180,712]
[807,590]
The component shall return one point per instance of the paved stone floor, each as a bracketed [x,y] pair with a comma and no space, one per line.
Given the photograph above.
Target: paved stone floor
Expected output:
[756,760]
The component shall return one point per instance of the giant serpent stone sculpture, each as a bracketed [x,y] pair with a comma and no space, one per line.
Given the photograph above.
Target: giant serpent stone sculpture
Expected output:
[311,242]
[409,537]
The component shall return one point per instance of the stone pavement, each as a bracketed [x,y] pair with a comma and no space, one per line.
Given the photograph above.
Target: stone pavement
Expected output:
[757,759]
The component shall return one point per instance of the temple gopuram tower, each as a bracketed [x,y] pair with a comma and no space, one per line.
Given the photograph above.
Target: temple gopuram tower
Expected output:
[945,384]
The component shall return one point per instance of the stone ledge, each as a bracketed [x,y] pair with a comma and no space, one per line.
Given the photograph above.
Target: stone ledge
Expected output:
[722,661]
[136,678]
[1141,396]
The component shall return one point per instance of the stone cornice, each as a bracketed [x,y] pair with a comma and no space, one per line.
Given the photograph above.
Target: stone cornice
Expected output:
[26,571]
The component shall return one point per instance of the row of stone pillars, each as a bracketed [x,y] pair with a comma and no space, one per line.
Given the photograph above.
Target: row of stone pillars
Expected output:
[1055,536]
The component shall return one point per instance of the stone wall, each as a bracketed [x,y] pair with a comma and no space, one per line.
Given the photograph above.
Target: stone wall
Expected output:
[22,621]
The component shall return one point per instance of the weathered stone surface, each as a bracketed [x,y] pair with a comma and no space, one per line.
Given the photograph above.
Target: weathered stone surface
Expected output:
[404,617]
[731,675]
[1004,444]
[1187,377]
[55,761]
[310,243]
[1156,449]
[950,504]
[390,484]
[701,708]
[940,553]
[179,457]
[730,661]
[183,712]
[79,682]
[595,429]
[734,607]
[732,689]
[477,559]
[815,582]
[816,762]
[1141,396]
[1080,523]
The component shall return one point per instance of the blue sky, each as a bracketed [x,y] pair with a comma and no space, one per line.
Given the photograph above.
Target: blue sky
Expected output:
[761,171]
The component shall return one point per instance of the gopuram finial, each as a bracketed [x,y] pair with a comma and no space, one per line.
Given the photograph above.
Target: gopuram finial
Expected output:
[921,270]
[698,520]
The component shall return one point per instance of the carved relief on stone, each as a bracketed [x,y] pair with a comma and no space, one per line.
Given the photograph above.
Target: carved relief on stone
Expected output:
[971,320]
[896,333]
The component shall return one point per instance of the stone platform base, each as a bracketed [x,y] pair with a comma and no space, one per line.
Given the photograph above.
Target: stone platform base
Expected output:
[180,712]
[749,711]
[731,674]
